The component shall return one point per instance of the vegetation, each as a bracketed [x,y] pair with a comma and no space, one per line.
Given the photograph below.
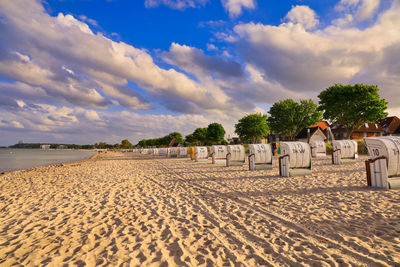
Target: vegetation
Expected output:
[362,149]
[252,127]
[200,136]
[162,141]
[288,117]
[101,145]
[212,135]
[352,105]
[190,140]
[52,146]
[126,144]
[329,148]
[215,133]
[177,136]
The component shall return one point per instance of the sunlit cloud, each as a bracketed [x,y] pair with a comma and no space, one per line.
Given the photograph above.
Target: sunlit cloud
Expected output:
[59,75]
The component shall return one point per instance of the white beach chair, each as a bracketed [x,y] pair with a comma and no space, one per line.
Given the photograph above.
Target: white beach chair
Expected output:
[344,151]
[235,156]
[201,153]
[182,152]
[218,154]
[260,157]
[163,152]
[318,149]
[173,152]
[295,159]
[383,167]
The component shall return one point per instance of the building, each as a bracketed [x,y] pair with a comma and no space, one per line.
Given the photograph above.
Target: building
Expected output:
[316,134]
[365,130]
[44,146]
[390,125]
[317,131]
[273,137]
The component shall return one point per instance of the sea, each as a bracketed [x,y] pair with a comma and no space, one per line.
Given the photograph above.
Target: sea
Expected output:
[16,159]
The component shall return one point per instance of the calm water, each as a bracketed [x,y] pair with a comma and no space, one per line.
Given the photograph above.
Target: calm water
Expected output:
[15,159]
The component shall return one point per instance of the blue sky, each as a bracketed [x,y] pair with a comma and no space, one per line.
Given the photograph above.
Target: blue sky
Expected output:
[88,71]
[158,27]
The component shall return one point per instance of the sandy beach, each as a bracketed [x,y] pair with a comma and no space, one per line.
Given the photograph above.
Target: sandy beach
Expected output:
[135,210]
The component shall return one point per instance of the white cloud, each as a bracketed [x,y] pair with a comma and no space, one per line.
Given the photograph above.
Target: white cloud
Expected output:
[88,20]
[21,57]
[48,123]
[356,11]
[69,21]
[303,15]
[194,60]
[20,103]
[308,62]
[92,115]
[235,7]
[211,47]
[71,62]
[63,75]
[175,4]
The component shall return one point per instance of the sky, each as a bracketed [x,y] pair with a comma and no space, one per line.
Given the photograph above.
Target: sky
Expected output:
[87,71]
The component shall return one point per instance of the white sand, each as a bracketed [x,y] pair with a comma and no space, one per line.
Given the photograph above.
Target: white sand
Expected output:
[137,211]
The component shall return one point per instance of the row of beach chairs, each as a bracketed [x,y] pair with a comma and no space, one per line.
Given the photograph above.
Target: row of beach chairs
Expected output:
[383,167]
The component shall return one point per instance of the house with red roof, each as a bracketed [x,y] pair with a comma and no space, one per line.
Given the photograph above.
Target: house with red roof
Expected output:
[365,130]
[390,125]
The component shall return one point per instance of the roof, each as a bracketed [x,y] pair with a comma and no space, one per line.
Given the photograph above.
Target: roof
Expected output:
[390,124]
[322,124]
[303,133]
[386,121]
[364,128]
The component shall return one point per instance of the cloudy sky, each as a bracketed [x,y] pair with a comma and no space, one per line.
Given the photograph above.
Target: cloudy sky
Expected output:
[104,70]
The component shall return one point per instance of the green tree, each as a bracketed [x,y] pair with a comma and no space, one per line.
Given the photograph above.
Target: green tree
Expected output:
[126,144]
[162,141]
[352,105]
[252,127]
[288,117]
[215,133]
[200,135]
[175,135]
[102,145]
[190,140]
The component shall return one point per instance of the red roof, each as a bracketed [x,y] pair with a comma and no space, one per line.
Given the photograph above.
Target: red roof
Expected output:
[364,127]
[322,124]
[390,124]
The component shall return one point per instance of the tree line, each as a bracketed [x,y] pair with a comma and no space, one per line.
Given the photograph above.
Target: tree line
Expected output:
[346,105]
[125,144]
[213,134]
